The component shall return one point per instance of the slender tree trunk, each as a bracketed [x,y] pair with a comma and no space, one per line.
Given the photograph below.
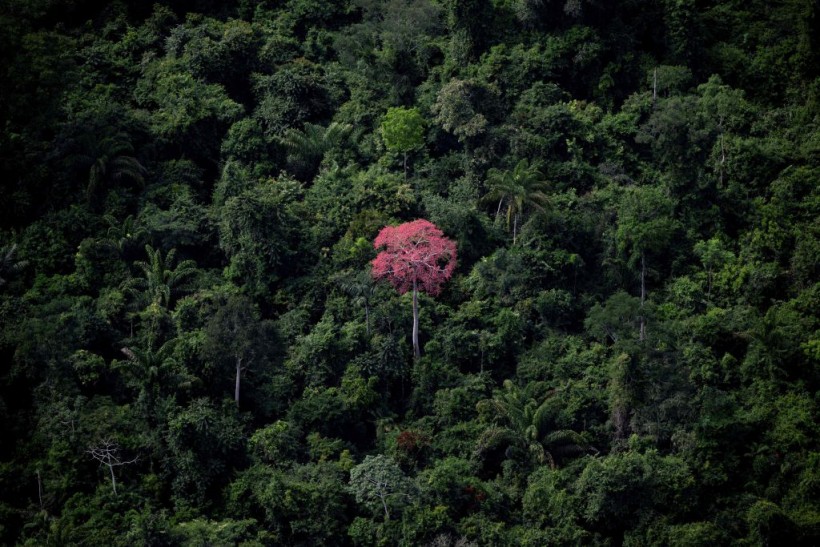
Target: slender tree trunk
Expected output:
[405,167]
[238,375]
[386,512]
[655,85]
[642,334]
[113,480]
[481,353]
[416,349]
[515,227]
[722,154]
[709,284]
[40,489]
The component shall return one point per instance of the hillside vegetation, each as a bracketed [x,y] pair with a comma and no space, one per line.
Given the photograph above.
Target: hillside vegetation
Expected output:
[195,350]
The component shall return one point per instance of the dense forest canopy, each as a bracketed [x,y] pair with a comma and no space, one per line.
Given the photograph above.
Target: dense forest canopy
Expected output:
[195,349]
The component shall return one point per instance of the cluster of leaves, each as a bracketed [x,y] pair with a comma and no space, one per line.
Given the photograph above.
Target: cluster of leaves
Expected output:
[195,351]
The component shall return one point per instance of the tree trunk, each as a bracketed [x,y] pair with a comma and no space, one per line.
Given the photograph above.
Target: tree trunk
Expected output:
[416,349]
[405,167]
[655,86]
[709,284]
[238,375]
[40,489]
[113,480]
[642,334]
[722,162]
[515,227]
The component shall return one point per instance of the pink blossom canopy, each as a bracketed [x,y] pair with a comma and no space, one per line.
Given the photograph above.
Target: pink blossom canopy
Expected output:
[414,251]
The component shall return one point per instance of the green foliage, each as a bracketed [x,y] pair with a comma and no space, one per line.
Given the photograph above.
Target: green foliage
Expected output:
[181,105]
[204,532]
[307,147]
[9,265]
[616,319]
[255,232]
[379,485]
[296,93]
[300,505]
[524,428]
[204,443]
[246,142]
[620,489]
[403,129]
[645,223]
[159,277]
[517,190]
[456,111]
[188,193]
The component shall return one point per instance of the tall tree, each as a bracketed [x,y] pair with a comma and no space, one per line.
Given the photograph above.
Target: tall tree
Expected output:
[8,264]
[527,427]
[417,256]
[403,131]
[645,226]
[107,453]
[378,481]
[160,276]
[237,337]
[111,161]
[518,189]
[361,288]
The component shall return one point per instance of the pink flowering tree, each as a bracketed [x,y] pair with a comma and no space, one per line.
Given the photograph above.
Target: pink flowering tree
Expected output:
[414,255]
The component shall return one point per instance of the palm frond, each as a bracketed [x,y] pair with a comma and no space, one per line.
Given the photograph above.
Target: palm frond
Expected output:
[495,437]
[159,276]
[8,264]
[307,146]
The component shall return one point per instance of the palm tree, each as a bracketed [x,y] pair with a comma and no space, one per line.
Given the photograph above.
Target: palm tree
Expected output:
[361,288]
[307,147]
[522,426]
[122,234]
[8,264]
[109,159]
[154,371]
[160,277]
[518,190]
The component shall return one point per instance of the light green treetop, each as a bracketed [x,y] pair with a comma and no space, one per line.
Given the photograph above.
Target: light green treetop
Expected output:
[403,131]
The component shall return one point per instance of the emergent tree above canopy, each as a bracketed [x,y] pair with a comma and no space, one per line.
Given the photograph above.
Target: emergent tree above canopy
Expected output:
[414,255]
